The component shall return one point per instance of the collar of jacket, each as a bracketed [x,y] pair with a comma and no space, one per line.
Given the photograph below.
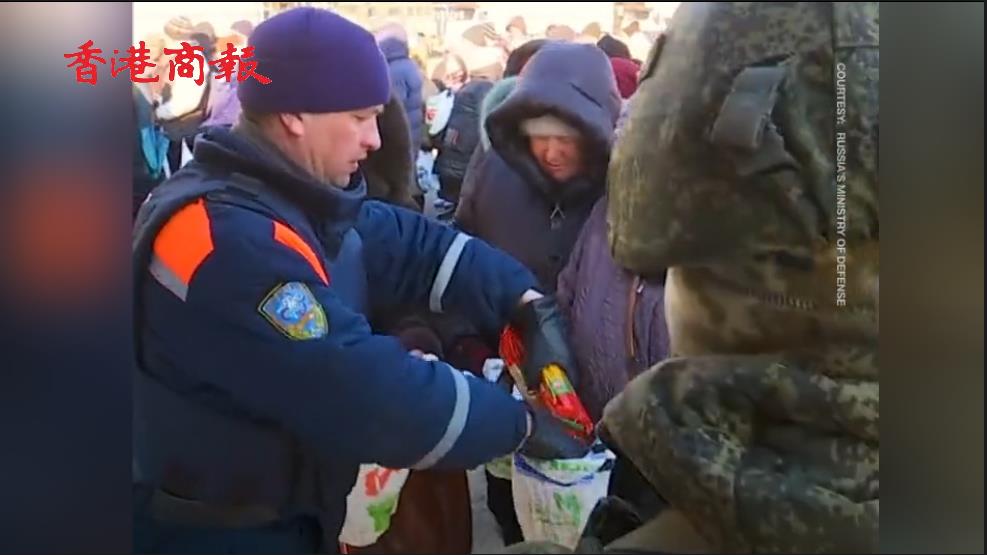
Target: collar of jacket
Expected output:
[332,211]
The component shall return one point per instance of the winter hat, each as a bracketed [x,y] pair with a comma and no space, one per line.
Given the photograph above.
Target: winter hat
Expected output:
[205,28]
[484,62]
[318,62]
[178,28]
[548,126]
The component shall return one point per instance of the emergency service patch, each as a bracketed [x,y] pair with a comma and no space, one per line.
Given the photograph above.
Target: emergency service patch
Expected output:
[294,311]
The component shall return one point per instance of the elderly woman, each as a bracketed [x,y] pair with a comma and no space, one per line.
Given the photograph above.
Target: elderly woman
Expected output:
[530,193]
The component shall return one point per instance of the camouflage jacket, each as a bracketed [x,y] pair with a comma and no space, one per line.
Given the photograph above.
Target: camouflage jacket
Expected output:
[748,166]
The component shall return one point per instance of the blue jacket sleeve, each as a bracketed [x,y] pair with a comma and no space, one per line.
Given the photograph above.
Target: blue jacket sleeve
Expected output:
[413,260]
[352,395]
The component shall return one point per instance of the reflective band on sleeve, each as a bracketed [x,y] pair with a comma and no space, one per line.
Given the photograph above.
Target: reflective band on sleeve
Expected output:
[168,278]
[457,422]
[446,269]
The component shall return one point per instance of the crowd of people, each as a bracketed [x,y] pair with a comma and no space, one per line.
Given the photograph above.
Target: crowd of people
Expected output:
[441,98]
[516,137]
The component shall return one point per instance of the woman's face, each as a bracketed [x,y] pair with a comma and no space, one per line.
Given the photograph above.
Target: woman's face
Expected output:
[455,75]
[561,157]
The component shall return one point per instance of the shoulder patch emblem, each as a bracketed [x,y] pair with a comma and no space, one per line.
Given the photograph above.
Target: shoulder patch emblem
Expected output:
[294,311]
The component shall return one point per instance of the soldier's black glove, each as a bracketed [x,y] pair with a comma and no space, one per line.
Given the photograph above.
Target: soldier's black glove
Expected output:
[549,439]
[545,336]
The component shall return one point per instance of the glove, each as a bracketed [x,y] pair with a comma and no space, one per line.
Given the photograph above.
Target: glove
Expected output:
[549,438]
[545,335]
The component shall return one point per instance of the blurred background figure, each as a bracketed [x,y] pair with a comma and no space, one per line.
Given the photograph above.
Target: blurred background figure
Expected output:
[406,79]
[520,56]
[451,73]
[485,62]
[625,72]
[243,27]
[150,156]
[389,170]
[183,101]
[204,34]
[638,42]
[459,139]
[590,34]
[223,107]
[517,32]
[593,30]
[560,33]
[614,47]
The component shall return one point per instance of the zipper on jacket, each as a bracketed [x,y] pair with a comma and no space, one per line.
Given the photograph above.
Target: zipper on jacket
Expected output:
[555,219]
[637,286]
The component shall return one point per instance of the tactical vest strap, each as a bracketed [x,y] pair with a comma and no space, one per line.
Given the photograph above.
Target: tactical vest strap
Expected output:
[744,125]
[746,111]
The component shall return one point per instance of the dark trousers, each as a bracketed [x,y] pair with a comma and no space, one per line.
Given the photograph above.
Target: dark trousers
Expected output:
[449,188]
[627,483]
[500,501]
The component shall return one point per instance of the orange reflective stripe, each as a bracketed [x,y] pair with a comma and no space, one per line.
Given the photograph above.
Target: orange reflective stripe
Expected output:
[287,237]
[185,241]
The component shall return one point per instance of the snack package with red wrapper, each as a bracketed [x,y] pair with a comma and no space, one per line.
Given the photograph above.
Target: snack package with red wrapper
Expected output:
[555,391]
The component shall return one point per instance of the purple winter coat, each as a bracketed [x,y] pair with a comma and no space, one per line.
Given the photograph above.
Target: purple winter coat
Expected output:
[224,106]
[616,319]
[506,199]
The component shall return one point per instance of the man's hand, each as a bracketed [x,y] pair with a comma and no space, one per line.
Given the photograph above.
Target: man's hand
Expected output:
[545,336]
[548,438]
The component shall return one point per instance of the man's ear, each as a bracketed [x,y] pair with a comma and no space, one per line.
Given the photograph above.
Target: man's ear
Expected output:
[294,124]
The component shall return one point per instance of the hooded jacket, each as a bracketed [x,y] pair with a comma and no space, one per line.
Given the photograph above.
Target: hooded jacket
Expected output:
[506,198]
[406,83]
[616,318]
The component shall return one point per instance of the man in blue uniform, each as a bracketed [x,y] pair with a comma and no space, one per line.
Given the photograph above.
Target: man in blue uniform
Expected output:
[261,387]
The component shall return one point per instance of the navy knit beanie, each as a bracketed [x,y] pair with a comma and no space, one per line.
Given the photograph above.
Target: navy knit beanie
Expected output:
[318,62]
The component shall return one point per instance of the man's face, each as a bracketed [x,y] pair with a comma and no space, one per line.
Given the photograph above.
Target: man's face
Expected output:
[561,157]
[332,145]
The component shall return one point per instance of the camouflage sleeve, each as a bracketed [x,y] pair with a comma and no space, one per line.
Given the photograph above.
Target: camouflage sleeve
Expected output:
[762,453]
